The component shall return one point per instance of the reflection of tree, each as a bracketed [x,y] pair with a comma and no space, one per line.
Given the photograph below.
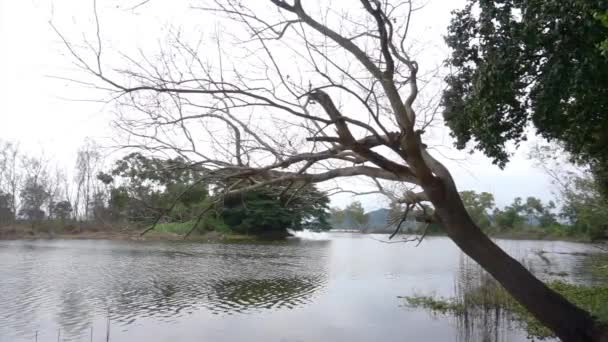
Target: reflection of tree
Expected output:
[74,316]
[170,297]
[252,294]
[223,279]
[484,324]
[482,316]
[481,309]
[72,290]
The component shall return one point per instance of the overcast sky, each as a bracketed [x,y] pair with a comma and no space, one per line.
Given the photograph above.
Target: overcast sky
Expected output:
[47,115]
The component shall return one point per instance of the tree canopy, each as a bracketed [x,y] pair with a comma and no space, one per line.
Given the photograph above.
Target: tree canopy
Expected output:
[585,208]
[143,188]
[353,216]
[276,208]
[519,214]
[516,63]
[148,185]
[478,206]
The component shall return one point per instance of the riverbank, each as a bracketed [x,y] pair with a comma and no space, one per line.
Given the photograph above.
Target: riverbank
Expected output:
[127,233]
[534,235]
[177,232]
[537,235]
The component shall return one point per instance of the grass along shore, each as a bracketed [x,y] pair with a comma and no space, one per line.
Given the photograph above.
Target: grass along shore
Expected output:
[50,229]
[480,299]
[163,231]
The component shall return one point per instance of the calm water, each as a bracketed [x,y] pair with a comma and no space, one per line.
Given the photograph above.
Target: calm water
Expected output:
[339,287]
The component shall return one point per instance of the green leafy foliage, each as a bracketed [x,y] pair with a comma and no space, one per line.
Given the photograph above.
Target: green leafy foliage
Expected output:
[492,296]
[356,211]
[598,264]
[585,207]
[143,188]
[511,216]
[277,208]
[536,62]
[478,294]
[147,186]
[535,219]
[479,207]
[351,217]
[603,18]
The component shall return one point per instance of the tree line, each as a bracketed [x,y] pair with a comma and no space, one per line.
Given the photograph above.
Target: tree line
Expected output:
[583,212]
[140,191]
[33,188]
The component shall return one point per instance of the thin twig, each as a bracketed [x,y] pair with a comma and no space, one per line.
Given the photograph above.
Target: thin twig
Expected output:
[403,218]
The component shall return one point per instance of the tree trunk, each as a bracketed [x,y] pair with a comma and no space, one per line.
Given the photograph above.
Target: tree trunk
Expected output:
[569,322]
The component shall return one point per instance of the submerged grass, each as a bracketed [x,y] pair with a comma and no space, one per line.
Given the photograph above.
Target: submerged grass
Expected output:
[478,294]
[435,304]
[598,263]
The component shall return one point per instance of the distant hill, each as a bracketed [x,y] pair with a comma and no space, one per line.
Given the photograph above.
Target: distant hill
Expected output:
[347,223]
[378,219]
[377,223]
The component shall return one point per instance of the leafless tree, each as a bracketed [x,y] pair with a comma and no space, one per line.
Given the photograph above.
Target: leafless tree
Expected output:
[293,93]
[88,163]
[35,188]
[10,177]
[57,189]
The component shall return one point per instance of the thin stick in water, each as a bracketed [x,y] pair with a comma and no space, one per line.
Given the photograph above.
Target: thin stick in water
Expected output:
[108,330]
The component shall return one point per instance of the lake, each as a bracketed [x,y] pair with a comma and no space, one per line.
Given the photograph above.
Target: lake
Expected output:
[318,287]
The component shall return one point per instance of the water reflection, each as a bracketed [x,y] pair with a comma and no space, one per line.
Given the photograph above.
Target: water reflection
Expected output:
[486,325]
[482,317]
[342,289]
[70,285]
[255,294]
[480,307]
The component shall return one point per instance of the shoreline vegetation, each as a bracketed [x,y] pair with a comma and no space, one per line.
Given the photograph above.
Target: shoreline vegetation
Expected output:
[138,191]
[480,299]
[579,219]
[174,231]
[98,232]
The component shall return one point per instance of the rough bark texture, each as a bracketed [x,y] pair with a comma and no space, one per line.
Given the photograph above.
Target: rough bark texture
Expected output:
[569,322]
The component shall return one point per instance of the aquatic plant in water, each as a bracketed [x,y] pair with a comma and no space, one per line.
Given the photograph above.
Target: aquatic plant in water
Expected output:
[479,300]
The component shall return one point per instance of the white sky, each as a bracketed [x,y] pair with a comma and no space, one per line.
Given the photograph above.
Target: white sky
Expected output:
[35,110]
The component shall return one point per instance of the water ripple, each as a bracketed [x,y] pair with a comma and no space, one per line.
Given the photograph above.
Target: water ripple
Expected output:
[69,285]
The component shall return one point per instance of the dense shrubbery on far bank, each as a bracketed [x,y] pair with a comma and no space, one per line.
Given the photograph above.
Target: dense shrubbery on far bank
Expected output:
[577,218]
